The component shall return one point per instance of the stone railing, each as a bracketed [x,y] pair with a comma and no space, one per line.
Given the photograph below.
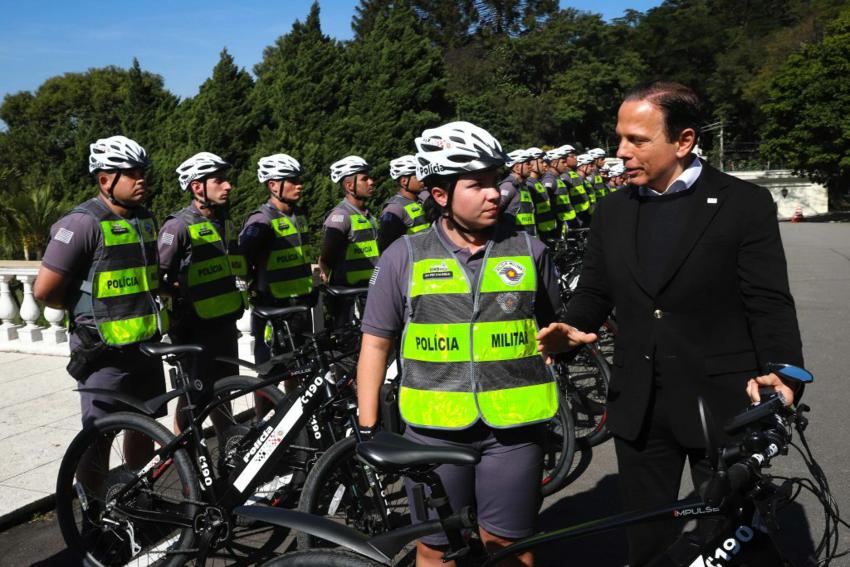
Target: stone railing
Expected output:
[28,335]
[789,191]
[20,330]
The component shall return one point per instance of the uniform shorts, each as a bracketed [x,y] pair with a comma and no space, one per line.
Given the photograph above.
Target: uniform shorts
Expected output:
[126,370]
[504,486]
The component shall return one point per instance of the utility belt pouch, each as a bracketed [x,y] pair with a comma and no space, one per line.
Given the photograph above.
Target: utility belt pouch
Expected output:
[84,358]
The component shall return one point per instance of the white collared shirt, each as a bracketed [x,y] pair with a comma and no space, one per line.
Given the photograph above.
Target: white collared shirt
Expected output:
[684,181]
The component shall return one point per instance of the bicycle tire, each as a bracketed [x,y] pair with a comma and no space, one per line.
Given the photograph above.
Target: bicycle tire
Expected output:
[172,485]
[588,375]
[330,485]
[321,558]
[559,449]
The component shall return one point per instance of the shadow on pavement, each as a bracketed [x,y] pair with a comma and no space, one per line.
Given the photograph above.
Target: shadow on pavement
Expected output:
[603,550]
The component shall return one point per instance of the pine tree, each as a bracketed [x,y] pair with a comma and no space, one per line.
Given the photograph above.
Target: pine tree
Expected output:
[299,94]
[395,86]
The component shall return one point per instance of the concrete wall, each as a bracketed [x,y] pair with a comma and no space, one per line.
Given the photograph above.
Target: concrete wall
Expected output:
[812,197]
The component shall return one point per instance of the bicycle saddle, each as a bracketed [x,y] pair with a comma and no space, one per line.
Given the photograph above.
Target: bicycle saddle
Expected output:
[339,291]
[389,450]
[276,312]
[164,349]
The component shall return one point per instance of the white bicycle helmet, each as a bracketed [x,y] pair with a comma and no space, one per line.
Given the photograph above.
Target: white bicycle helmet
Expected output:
[557,153]
[348,166]
[584,159]
[567,149]
[116,152]
[277,166]
[457,148]
[597,153]
[403,166]
[199,166]
[616,170]
[536,153]
[518,156]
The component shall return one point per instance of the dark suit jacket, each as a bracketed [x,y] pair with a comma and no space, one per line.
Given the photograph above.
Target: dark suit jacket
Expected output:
[722,313]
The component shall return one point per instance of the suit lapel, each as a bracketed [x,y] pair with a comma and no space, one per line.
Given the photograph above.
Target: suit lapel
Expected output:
[707,199]
[628,234]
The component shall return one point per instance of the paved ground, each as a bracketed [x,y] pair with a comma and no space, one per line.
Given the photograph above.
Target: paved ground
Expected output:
[39,414]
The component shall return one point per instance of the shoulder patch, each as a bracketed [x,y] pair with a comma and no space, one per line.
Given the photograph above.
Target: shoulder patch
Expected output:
[337,218]
[167,238]
[374,277]
[64,235]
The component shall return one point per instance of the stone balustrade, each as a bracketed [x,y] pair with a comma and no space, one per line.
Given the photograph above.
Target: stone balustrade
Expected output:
[27,335]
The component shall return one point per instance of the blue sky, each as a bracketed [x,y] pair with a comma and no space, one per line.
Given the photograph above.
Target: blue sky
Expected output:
[180,40]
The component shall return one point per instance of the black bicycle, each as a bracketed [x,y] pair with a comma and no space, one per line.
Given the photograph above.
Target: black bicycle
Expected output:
[740,493]
[178,505]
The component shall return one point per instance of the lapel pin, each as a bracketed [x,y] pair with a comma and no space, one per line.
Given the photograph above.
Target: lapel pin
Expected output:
[711,200]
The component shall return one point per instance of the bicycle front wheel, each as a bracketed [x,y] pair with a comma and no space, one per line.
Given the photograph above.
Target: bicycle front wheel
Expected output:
[151,523]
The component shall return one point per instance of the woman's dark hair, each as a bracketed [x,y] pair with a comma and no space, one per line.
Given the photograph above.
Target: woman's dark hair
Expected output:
[680,105]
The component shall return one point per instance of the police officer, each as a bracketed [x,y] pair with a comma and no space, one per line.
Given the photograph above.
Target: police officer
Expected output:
[485,389]
[101,265]
[584,166]
[618,177]
[272,242]
[350,246]
[403,212]
[565,214]
[579,198]
[598,181]
[516,200]
[544,216]
[199,262]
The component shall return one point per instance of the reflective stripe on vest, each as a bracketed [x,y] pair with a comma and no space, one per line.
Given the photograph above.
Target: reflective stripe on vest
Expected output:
[543,214]
[578,195]
[470,355]
[286,272]
[361,253]
[124,276]
[208,273]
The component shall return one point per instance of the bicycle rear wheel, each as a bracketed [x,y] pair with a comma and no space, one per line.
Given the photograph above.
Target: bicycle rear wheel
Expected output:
[584,376]
[134,528]
[342,487]
[559,448]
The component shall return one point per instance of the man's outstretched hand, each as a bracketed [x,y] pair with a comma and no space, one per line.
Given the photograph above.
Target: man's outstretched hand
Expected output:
[560,337]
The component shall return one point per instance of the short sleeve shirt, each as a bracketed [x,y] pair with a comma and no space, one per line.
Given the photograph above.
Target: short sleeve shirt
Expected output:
[386,304]
[74,239]
[509,195]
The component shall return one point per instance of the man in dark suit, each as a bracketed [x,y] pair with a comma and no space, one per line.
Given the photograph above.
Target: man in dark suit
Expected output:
[691,258]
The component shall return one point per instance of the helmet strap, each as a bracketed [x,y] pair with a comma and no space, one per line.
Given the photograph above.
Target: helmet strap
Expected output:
[279,195]
[111,196]
[455,224]
[205,203]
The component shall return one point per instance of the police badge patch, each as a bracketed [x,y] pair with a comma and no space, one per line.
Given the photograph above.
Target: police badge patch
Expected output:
[510,272]
[508,301]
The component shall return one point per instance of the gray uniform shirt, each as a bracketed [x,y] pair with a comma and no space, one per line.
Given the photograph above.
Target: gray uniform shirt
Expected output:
[386,305]
[509,191]
[74,238]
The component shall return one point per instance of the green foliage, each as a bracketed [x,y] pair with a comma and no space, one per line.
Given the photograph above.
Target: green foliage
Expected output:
[807,119]
[529,72]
